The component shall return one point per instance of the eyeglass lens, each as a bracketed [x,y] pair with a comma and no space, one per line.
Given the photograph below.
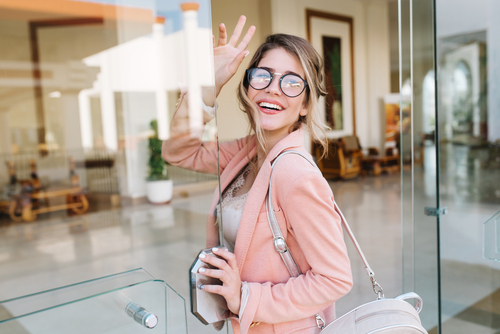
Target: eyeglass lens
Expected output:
[291,85]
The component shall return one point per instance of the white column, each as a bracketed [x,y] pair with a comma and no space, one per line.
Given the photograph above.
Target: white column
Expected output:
[108,109]
[161,85]
[85,118]
[69,106]
[5,142]
[190,15]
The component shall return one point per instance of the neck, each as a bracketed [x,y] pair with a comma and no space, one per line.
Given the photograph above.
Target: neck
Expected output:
[271,139]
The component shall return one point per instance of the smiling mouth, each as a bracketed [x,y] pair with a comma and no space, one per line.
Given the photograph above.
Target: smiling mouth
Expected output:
[270,107]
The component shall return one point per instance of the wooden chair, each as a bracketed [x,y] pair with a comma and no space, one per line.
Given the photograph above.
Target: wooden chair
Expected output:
[5,204]
[375,163]
[343,160]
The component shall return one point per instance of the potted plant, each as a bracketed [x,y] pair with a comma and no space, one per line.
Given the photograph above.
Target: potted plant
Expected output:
[159,187]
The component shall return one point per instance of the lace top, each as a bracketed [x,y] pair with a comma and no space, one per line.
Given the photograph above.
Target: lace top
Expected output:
[232,208]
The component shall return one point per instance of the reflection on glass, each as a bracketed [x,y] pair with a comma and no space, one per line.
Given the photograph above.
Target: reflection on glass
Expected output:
[462,95]
[429,103]
[93,81]
[491,237]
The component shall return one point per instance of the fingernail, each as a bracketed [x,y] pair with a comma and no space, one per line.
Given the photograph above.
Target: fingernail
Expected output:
[215,249]
[202,256]
[201,270]
[200,287]
[246,54]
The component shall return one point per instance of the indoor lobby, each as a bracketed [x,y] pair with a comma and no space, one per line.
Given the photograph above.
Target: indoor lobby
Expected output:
[88,89]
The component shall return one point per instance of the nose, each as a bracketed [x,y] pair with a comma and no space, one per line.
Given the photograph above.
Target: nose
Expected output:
[274,87]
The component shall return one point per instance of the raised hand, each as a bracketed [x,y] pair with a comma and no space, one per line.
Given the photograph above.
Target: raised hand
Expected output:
[228,56]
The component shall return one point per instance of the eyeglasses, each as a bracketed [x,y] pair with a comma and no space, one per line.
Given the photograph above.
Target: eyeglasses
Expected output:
[290,84]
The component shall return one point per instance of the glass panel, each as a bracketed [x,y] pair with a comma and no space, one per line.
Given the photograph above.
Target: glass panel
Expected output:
[418,152]
[86,308]
[467,54]
[88,90]
[405,145]
[61,295]
[491,237]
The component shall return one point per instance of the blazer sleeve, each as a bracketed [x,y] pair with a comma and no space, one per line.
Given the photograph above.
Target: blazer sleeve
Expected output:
[192,153]
[309,210]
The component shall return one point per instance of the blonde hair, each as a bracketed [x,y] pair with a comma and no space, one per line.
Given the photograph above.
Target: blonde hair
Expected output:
[313,68]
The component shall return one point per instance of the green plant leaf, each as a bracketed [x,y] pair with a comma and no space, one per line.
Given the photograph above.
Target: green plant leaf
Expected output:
[157,166]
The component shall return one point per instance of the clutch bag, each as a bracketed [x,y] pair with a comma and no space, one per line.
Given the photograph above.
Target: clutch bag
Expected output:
[208,307]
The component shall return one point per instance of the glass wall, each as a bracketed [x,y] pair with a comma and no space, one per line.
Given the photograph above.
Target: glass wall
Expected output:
[87,91]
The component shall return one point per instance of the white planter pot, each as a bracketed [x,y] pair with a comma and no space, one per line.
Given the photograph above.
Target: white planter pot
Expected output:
[159,192]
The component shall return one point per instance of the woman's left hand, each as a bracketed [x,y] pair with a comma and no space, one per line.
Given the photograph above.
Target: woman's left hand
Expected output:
[228,273]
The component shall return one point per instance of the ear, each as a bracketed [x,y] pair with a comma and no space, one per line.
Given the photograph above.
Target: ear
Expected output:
[303,111]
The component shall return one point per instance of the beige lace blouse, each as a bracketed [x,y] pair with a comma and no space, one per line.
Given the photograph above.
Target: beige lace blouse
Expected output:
[232,208]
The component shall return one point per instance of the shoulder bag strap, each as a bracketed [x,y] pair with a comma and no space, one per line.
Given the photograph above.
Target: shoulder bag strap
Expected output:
[280,243]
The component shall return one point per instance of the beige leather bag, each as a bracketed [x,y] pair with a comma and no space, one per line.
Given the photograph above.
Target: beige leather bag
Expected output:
[382,316]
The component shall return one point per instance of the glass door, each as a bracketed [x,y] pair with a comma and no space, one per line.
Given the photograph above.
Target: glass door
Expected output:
[449,57]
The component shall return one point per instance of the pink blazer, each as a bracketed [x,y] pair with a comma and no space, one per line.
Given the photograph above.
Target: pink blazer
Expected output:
[303,202]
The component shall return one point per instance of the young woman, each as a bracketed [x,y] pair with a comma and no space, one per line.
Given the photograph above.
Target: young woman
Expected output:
[279,93]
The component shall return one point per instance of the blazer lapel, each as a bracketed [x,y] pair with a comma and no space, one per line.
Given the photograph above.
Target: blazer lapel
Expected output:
[251,211]
[257,196]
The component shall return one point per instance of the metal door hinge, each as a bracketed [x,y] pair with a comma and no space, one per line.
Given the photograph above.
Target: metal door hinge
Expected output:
[436,212]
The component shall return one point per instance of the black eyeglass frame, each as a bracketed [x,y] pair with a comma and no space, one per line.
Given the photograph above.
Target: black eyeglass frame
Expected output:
[249,71]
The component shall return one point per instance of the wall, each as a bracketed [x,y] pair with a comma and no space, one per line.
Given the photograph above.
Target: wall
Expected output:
[372,59]
[371,53]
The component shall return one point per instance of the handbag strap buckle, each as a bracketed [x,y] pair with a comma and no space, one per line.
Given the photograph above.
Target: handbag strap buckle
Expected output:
[320,322]
[280,244]
[377,288]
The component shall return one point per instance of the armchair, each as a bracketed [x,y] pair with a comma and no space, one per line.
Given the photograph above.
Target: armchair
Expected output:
[343,160]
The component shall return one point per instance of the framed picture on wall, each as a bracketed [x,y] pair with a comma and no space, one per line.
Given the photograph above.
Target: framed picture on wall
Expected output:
[332,36]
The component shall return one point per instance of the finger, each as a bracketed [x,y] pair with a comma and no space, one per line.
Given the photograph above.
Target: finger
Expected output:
[213,41]
[219,263]
[220,274]
[237,30]
[246,40]
[233,65]
[222,35]
[217,289]
[227,255]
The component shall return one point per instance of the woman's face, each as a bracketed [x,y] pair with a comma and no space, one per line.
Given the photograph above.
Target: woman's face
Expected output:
[278,122]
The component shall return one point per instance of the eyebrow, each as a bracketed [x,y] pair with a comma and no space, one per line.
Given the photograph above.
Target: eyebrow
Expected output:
[270,69]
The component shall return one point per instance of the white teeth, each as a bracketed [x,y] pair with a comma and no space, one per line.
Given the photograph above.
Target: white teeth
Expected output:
[270,105]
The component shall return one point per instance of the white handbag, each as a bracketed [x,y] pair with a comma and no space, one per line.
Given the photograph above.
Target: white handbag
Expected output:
[381,316]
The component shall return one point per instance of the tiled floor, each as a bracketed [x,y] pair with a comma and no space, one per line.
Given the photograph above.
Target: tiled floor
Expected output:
[164,240]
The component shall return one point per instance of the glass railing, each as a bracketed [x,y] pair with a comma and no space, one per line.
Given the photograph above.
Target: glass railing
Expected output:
[128,302]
